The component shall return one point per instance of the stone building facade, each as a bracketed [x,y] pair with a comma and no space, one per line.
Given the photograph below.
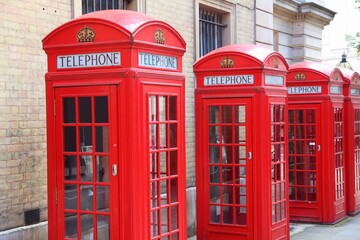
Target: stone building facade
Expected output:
[292,27]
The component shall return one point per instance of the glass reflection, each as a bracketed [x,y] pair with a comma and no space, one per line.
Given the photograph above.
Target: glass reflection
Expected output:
[103,227]
[71,225]
[102,138]
[70,193]
[152,108]
[69,110]
[162,108]
[102,168]
[70,167]
[87,227]
[240,114]
[86,198]
[214,114]
[85,109]
[103,198]
[101,109]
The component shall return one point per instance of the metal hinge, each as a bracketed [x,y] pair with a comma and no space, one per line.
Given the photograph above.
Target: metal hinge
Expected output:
[56,196]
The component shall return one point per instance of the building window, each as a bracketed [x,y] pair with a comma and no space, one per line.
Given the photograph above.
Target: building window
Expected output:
[211,30]
[97,5]
[88,6]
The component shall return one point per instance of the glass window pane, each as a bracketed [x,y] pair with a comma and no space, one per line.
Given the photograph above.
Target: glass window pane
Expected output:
[174,190]
[299,116]
[152,109]
[227,155]
[227,195]
[240,134]
[163,164]
[214,154]
[173,135]
[214,134]
[162,108]
[241,215]
[101,109]
[163,136]
[71,196]
[174,218]
[172,108]
[87,227]
[154,223]
[85,109]
[242,155]
[69,139]
[86,198]
[69,110]
[153,166]
[239,113]
[227,214]
[227,134]
[102,139]
[86,168]
[226,114]
[310,116]
[214,194]
[70,167]
[164,191]
[71,224]
[103,198]
[173,163]
[291,116]
[215,214]
[214,114]
[154,194]
[300,193]
[85,134]
[227,175]
[103,227]
[164,220]
[153,136]
[215,174]
[102,168]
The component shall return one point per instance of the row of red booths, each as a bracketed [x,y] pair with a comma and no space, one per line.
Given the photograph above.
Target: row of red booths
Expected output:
[268,135]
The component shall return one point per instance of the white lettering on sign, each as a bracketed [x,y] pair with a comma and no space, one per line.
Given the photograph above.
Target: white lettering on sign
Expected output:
[157,61]
[229,80]
[88,60]
[274,80]
[355,92]
[304,90]
[335,89]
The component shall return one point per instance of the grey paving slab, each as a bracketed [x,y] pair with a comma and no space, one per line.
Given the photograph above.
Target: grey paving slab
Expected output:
[348,229]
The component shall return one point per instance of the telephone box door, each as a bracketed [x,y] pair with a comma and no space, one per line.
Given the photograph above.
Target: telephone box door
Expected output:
[227,168]
[304,159]
[86,163]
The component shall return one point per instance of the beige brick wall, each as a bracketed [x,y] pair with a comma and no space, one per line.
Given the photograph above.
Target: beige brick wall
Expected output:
[23,24]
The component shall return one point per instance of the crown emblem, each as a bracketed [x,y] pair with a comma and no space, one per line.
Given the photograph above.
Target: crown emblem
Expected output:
[276,63]
[227,62]
[356,80]
[159,37]
[300,77]
[86,35]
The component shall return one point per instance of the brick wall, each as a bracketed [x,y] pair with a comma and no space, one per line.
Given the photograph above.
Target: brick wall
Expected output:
[23,24]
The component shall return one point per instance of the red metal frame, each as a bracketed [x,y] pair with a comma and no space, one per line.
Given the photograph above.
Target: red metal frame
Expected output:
[251,77]
[319,87]
[352,140]
[134,57]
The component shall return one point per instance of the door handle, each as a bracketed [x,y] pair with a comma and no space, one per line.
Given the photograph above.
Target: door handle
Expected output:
[249,155]
[318,148]
[114,170]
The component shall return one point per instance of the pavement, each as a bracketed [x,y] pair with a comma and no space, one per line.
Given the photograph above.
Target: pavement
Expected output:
[347,229]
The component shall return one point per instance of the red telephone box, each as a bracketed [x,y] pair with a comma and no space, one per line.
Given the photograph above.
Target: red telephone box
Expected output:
[316,143]
[241,126]
[115,128]
[352,140]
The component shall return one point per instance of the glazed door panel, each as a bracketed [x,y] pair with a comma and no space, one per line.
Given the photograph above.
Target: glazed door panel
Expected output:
[304,148]
[227,168]
[87,163]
